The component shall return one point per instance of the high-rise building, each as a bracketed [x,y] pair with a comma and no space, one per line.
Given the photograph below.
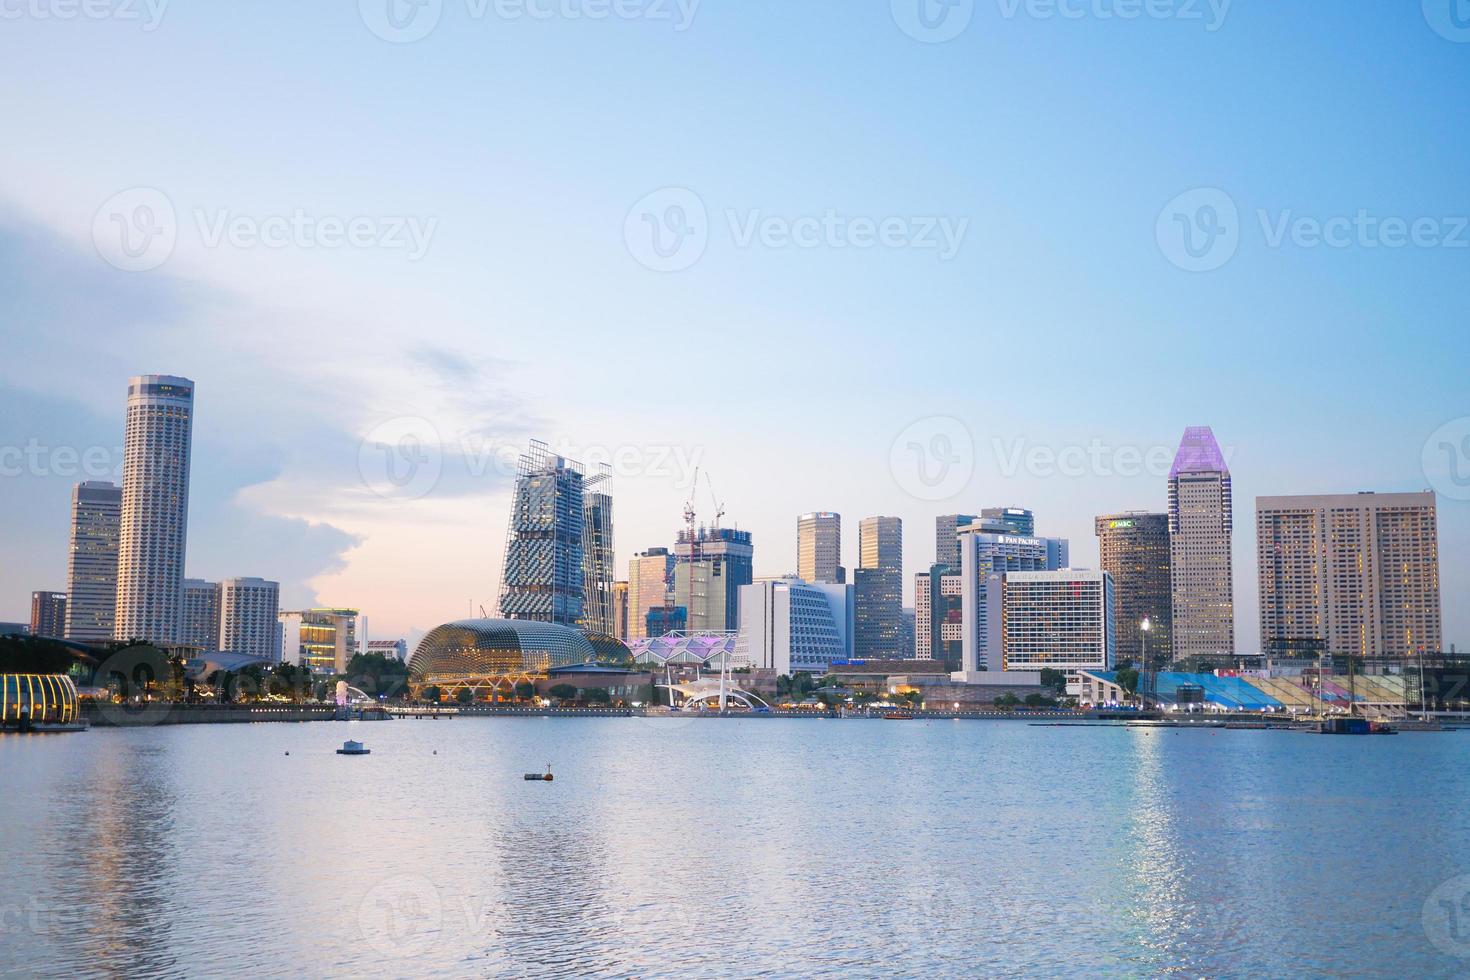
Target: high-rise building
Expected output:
[1200,566]
[155,508]
[819,547]
[322,639]
[544,577]
[91,562]
[709,569]
[248,609]
[598,561]
[1353,573]
[1134,549]
[1018,520]
[1062,620]
[988,547]
[878,590]
[201,615]
[788,625]
[946,543]
[620,610]
[392,649]
[938,622]
[48,614]
[650,586]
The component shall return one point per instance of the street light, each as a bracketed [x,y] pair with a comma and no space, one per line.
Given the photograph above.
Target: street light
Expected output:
[1143,629]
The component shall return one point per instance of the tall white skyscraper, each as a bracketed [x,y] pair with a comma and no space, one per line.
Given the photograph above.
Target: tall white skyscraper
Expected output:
[1200,563]
[91,563]
[819,547]
[248,617]
[155,508]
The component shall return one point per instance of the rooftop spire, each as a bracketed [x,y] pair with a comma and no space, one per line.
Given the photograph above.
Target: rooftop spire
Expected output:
[1198,453]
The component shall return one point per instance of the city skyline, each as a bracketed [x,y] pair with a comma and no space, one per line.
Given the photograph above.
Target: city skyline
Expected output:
[460,337]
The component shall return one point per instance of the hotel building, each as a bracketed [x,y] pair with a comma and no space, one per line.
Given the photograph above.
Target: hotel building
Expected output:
[91,561]
[788,625]
[1200,566]
[248,617]
[1354,573]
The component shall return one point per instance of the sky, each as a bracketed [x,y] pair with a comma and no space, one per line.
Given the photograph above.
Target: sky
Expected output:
[873,256]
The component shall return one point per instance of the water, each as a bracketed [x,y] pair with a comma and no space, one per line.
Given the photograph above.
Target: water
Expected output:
[750,847]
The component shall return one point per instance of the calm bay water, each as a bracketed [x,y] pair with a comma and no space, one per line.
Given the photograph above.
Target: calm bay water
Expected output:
[744,847]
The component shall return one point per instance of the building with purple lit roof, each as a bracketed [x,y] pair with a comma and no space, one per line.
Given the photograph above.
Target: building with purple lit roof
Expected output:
[1200,566]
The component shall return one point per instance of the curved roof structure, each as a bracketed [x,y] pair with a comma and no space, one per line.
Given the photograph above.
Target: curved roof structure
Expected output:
[704,649]
[487,648]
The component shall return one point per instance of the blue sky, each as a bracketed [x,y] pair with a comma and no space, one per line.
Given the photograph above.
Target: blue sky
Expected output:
[519,146]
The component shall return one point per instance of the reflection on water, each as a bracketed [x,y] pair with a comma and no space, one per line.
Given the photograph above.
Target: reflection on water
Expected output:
[770,847]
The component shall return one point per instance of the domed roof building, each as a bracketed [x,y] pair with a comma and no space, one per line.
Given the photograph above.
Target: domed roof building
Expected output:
[493,654]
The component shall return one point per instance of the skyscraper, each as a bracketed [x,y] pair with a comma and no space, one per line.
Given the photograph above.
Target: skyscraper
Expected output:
[1134,549]
[988,547]
[878,592]
[819,547]
[1062,620]
[91,562]
[938,616]
[620,610]
[709,569]
[1200,565]
[1354,573]
[597,557]
[248,621]
[201,615]
[544,576]
[788,625]
[650,586]
[946,545]
[155,508]
[48,614]
[1018,519]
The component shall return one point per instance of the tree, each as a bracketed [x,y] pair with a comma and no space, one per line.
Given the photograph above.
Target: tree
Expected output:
[1035,700]
[1128,680]
[1006,701]
[525,690]
[597,695]
[431,693]
[563,692]
[377,674]
[465,696]
[1055,679]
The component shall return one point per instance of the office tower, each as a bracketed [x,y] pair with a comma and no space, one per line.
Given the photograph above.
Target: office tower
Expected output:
[650,585]
[1352,573]
[1062,620]
[248,609]
[989,547]
[544,555]
[661,620]
[1018,520]
[91,562]
[1134,549]
[201,615]
[819,547]
[322,639]
[938,623]
[155,508]
[391,649]
[878,592]
[788,625]
[709,569]
[48,614]
[946,544]
[909,627]
[598,561]
[1199,548]
[620,610]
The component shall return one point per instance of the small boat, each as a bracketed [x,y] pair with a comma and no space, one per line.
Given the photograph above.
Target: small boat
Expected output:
[544,777]
[897,715]
[350,747]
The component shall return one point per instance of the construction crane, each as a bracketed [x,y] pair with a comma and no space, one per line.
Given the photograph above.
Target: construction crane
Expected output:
[693,548]
[719,505]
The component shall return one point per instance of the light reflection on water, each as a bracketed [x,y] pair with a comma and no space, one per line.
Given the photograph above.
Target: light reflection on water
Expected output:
[752,847]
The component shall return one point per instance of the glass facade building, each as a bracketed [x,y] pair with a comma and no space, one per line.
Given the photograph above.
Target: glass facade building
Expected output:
[878,590]
[710,567]
[91,563]
[545,558]
[1134,549]
[1200,563]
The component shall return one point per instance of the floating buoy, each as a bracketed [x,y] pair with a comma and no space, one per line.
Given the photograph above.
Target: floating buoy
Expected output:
[543,777]
[350,747]
[288,753]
